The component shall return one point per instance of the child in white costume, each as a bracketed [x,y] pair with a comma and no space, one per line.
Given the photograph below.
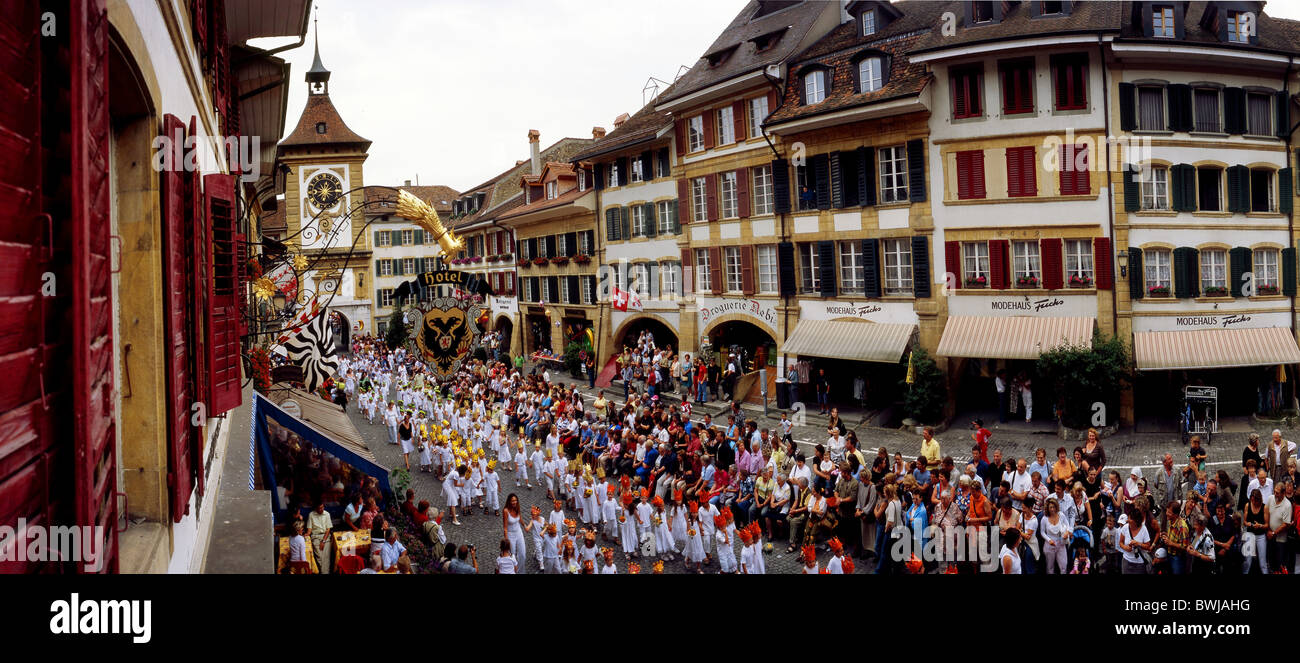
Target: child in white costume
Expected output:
[521,466]
[694,551]
[726,554]
[451,492]
[627,529]
[707,528]
[679,525]
[609,515]
[492,489]
[665,546]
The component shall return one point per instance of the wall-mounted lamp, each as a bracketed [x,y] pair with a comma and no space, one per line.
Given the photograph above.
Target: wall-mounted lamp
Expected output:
[1122,259]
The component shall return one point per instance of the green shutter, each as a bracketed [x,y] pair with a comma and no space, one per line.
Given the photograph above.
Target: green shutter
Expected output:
[650,220]
[1285,195]
[1288,271]
[916,170]
[1127,107]
[1132,192]
[625,218]
[921,266]
[1239,260]
[377,263]
[419,236]
[377,237]
[1181,291]
[1176,192]
[397,267]
[1234,110]
[677,219]
[1136,289]
[1234,189]
[870,267]
[611,225]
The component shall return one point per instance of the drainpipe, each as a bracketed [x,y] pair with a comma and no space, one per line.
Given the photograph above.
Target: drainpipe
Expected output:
[776,154]
[1110,186]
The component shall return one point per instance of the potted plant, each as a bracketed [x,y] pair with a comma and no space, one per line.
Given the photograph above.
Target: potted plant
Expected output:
[1027,282]
[582,258]
[1077,281]
[540,261]
[476,259]
[1158,291]
[1216,291]
[1267,289]
[506,256]
[560,260]
[977,282]
[525,263]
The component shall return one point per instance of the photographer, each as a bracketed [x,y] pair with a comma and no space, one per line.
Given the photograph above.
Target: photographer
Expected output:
[460,565]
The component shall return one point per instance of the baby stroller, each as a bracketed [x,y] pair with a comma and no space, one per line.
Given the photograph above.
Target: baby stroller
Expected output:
[1081,537]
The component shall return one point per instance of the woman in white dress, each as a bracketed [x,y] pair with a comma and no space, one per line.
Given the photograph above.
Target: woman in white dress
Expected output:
[451,491]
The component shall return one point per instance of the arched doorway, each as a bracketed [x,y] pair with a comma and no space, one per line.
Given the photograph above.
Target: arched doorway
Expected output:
[342,331]
[632,330]
[744,340]
[505,328]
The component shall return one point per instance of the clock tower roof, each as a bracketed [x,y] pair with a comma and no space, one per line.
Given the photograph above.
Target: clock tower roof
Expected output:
[320,123]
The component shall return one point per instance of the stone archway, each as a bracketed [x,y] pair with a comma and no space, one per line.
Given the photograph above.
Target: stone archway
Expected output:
[661,329]
[506,327]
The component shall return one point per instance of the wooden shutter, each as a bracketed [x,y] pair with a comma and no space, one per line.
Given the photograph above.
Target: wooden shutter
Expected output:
[781,186]
[688,272]
[647,166]
[684,199]
[952,262]
[826,263]
[1285,193]
[871,267]
[1289,271]
[866,176]
[1014,172]
[1135,277]
[625,222]
[836,180]
[1234,110]
[201,255]
[970,175]
[742,191]
[711,195]
[1103,263]
[821,179]
[1238,188]
[747,270]
[1053,269]
[849,177]
[1281,111]
[223,325]
[598,176]
[624,171]
[710,129]
[1181,269]
[785,264]
[1239,262]
[1180,107]
[177,252]
[1132,192]
[679,136]
[716,269]
[665,167]
[570,244]
[740,129]
[650,225]
[916,170]
[1022,178]
[1074,172]
[921,266]
[1127,107]
[611,225]
[999,264]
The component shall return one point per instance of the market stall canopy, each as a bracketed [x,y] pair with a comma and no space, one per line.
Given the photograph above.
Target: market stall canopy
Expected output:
[854,341]
[1214,348]
[1019,337]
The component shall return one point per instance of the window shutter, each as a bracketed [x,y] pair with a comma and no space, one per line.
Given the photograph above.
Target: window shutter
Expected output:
[684,199]
[665,167]
[419,236]
[822,180]
[396,237]
[836,180]
[1103,265]
[1013,173]
[711,195]
[177,253]
[377,237]
[611,225]
[1132,192]
[849,177]
[1237,202]
[970,175]
[952,262]
[574,295]
[223,328]
[715,269]
[1053,270]
[1135,274]
[771,102]
[1074,172]
[688,272]
[1285,194]
[650,226]
[598,176]
[921,266]
[740,129]
[679,138]
[397,267]
[866,174]
[625,222]
[1127,106]
[1281,104]
[871,267]
[781,185]
[677,219]
[1182,288]
[916,170]
[1180,107]
[747,270]
[1234,110]
[710,129]
[742,192]
[377,263]
[999,269]
[1239,260]
[624,171]
[785,265]
[647,166]
[1288,271]
[571,244]
[420,264]
[826,265]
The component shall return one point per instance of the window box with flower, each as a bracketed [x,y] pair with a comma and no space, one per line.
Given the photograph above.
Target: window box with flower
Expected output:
[560,260]
[1267,289]
[1215,291]
[525,263]
[1077,281]
[582,258]
[540,261]
[977,281]
[506,257]
[1027,282]
[1158,291]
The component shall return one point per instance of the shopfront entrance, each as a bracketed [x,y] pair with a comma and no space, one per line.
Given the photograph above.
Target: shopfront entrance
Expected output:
[537,332]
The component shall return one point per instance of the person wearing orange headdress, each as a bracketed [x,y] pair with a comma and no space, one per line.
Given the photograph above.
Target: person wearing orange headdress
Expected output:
[608,568]
[694,550]
[723,537]
[708,529]
[756,533]
[835,565]
[677,512]
[551,549]
[664,545]
[627,526]
[747,552]
[809,556]
[537,526]
[609,514]
[644,515]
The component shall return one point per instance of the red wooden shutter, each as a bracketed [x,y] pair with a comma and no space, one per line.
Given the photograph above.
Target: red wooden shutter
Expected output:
[970,175]
[977,174]
[771,103]
[178,255]
[999,267]
[715,269]
[94,427]
[1021,179]
[1053,272]
[747,270]
[963,175]
[688,275]
[223,323]
[710,129]
[200,267]
[958,97]
[1102,263]
[679,135]
[742,191]
[684,213]
[952,261]
[1074,170]
[738,120]
[711,195]
[1013,172]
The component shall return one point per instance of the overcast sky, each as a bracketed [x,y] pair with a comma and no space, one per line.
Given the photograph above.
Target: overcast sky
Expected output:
[447,90]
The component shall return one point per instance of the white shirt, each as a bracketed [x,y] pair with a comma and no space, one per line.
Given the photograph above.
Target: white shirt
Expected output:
[1020,483]
[1126,537]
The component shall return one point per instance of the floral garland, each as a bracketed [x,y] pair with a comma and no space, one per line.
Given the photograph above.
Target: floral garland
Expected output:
[260,360]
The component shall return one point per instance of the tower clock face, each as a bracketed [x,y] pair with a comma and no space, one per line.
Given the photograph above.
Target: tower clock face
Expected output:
[324,190]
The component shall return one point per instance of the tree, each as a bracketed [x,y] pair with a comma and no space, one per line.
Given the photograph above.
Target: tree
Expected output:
[396,335]
[1087,380]
[925,397]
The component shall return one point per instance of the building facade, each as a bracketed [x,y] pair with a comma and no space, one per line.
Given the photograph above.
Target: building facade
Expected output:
[401,250]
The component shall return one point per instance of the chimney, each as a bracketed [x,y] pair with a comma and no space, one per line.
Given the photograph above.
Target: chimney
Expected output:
[618,121]
[408,183]
[597,132]
[534,141]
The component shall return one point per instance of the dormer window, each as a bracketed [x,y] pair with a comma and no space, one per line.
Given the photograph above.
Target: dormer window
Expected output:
[982,11]
[767,40]
[552,189]
[582,180]
[1162,21]
[320,127]
[870,78]
[1239,27]
[1047,7]
[868,21]
[613,173]
[718,57]
[814,87]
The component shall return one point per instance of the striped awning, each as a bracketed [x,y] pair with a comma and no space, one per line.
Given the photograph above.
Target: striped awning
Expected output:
[1214,348]
[1021,337]
[854,341]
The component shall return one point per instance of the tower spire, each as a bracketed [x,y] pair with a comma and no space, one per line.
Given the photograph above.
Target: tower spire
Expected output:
[318,76]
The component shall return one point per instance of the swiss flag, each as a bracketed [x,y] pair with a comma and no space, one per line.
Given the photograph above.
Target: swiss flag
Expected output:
[620,299]
[633,301]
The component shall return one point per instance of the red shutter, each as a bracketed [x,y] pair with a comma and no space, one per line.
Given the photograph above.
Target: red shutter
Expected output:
[959,104]
[1101,260]
[711,195]
[679,135]
[1014,173]
[1074,170]
[1028,172]
[684,201]
[970,175]
[977,174]
[738,120]
[178,257]
[688,274]
[94,425]
[963,176]
[1053,272]
[710,129]
[715,269]
[999,267]
[747,270]
[1021,179]
[200,266]
[223,323]
[742,191]
[952,260]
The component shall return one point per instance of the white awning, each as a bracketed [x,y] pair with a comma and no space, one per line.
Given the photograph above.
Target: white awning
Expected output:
[1214,348]
[1018,337]
[854,341]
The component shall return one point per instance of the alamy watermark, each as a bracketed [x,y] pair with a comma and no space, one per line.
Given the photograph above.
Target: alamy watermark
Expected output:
[79,544]
[181,152]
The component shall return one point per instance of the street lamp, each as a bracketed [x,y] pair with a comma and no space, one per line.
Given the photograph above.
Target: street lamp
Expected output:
[1122,259]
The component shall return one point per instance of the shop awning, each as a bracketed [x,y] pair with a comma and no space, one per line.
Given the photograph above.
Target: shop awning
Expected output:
[1020,337]
[1214,348]
[854,341]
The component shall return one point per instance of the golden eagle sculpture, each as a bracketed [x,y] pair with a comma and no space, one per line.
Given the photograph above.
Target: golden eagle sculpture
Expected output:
[411,207]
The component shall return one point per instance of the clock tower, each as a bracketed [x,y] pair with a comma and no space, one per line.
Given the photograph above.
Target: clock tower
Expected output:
[321,161]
